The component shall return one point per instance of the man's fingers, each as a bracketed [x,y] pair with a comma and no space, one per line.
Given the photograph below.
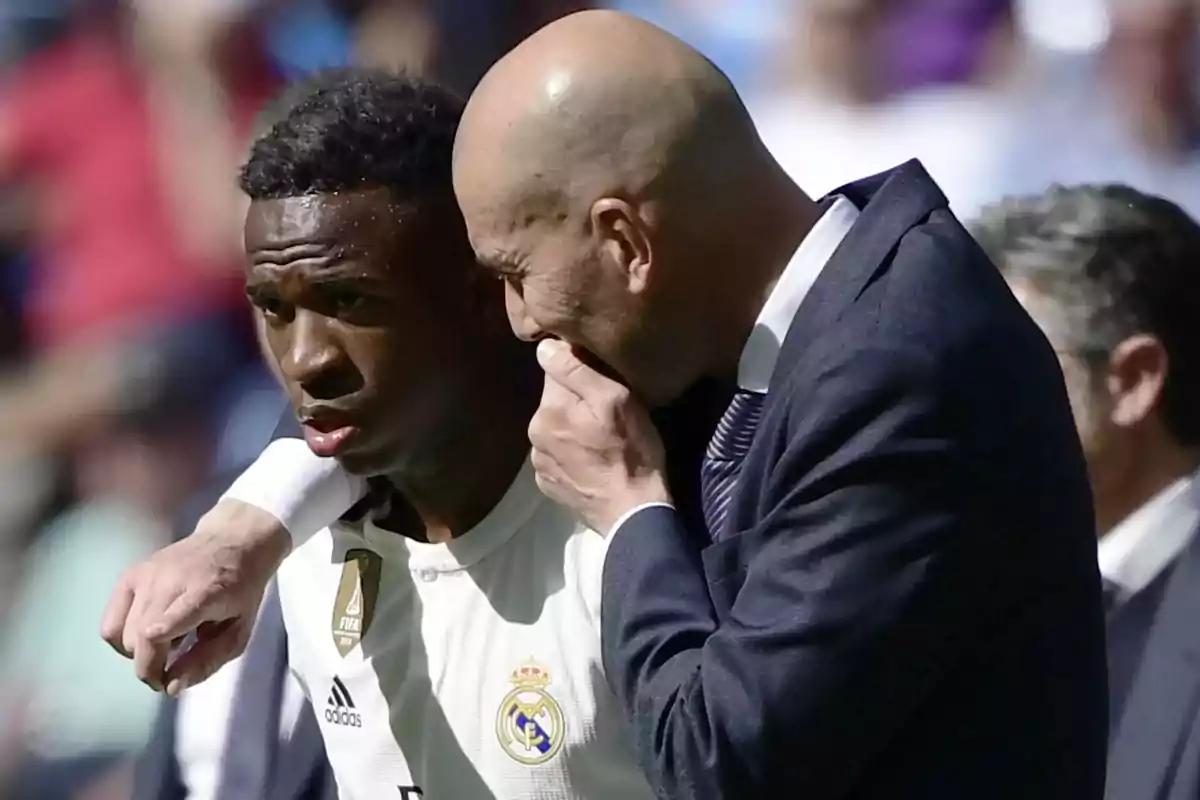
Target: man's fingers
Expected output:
[216,645]
[185,612]
[112,623]
[561,364]
[150,662]
[563,368]
[151,599]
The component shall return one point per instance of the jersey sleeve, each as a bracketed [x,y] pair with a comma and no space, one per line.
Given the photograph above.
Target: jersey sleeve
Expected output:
[302,490]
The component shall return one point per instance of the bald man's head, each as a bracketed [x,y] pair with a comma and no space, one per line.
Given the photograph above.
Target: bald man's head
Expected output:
[605,168]
[600,93]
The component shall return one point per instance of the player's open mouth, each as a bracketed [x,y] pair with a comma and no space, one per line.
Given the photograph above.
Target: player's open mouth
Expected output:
[326,432]
[328,443]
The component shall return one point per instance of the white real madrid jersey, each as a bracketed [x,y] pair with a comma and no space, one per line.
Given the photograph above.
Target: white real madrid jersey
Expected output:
[462,670]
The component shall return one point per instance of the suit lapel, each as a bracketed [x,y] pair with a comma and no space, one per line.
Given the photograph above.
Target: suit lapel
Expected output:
[1164,698]
[891,203]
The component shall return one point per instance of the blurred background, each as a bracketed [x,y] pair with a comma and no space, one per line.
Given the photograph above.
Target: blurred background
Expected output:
[129,372]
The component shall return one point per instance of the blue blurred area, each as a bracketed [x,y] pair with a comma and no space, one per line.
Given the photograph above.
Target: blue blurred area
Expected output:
[736,36]
[310,36]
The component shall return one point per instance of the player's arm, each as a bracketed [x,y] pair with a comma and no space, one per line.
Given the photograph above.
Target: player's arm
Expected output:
[302,492]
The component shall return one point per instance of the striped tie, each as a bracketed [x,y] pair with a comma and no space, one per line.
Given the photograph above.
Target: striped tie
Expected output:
[723,460]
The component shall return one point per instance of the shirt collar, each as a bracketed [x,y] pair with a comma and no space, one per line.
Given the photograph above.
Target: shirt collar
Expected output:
[515,509]
[761,350]
[1143,544]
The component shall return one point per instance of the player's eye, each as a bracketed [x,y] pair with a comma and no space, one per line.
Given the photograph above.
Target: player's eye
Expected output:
[347,302]
[271,307]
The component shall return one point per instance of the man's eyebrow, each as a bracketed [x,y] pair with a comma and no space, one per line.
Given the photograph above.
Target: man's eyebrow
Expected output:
[341,273]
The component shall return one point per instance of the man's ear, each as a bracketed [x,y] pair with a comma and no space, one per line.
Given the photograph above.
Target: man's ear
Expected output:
[624,238]
[1137,373]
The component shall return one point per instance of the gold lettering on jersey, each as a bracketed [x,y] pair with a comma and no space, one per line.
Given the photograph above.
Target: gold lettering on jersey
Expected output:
[529,723]
[354,605]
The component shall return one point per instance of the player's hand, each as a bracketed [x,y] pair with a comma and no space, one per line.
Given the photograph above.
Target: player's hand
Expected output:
[594,447]
[211,583]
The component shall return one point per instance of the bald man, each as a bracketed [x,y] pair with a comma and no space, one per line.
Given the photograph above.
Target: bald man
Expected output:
[893,592]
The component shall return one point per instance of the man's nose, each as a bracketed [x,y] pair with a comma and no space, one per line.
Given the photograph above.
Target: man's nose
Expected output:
[313,359]
[523,325]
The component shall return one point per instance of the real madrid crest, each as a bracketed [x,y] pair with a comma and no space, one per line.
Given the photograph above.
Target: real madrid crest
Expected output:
[354,605]
[530,721]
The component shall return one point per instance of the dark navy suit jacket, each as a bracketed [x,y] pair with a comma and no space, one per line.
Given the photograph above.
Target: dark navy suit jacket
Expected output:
[908,605]
[1155,750]
[302,772]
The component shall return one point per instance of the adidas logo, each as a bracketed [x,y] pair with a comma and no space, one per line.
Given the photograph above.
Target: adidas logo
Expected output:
[339,710]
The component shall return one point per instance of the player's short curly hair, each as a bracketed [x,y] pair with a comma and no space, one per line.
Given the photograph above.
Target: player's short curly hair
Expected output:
[1116,262]
[348,129]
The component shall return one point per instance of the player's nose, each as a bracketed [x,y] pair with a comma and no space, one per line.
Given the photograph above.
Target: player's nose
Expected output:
[315,360]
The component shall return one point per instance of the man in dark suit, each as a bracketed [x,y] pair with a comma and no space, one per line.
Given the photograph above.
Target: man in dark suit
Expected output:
[901,598]
[269,747]
[1109,274]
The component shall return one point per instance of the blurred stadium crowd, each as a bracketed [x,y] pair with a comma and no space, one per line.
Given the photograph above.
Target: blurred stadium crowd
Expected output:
[130,373]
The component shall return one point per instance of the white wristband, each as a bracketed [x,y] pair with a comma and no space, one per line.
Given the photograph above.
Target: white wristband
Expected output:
[299,488]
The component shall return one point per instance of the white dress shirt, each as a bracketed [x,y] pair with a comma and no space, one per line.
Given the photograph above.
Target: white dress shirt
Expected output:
[1146,542]
[761,351]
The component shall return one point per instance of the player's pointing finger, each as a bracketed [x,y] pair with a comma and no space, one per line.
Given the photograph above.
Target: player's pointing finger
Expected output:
[216,645]
[112,623]
[183,614]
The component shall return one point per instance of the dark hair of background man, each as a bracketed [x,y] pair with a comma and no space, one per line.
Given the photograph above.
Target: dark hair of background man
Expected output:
[1118,263]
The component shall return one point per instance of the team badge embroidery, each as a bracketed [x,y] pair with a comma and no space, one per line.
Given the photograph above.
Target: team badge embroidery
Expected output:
[529,724]
[354,605]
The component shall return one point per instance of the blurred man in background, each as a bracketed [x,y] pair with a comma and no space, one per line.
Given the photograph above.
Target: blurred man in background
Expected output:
[72,706]
[738,35]
[1128,112]
[116,142]
[1111,276]
[120,133]
[867,84]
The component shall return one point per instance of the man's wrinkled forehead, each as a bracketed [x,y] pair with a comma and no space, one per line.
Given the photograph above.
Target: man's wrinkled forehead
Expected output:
[318,218]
